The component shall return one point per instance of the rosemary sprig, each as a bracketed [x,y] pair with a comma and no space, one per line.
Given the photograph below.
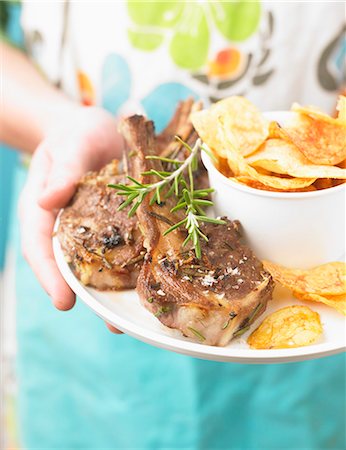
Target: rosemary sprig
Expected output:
[181,187]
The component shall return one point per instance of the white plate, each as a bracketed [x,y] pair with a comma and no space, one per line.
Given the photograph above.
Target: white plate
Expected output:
[123,310]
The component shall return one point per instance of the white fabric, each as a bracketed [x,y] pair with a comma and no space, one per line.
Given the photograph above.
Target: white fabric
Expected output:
[96,29]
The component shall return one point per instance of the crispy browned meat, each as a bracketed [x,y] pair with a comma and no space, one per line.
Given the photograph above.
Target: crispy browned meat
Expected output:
[167,146]
[212,299]
[181,125]
[103,246]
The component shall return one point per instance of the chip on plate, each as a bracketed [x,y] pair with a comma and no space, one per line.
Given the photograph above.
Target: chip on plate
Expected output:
[337,302]
[293,326]
[327,279]
[325,283]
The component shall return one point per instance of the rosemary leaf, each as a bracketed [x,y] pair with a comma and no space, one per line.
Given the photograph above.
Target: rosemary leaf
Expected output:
[158,195]
[169,193]
[127,202]
[137,183]
[153,199]
[121,187]
[176,186]
[175,226]
[161,174]
[178,207]
[203,236]
[206,190]
[179,184]
[211,220]
[203,202]
[134,208]
[167,160]
[197,334]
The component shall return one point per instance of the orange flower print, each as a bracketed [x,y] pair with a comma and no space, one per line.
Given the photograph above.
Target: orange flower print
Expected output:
[86,89]
[227,64]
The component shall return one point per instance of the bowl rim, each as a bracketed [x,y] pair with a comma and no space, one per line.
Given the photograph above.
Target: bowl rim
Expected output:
[262,193]
[208,163]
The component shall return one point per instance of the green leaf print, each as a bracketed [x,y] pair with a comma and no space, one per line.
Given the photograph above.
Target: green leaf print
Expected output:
[155,12]
[145,41]
[185,26]
[236,20]
[190,43]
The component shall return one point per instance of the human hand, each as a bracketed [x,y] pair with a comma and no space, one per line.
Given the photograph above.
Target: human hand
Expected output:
[85,139]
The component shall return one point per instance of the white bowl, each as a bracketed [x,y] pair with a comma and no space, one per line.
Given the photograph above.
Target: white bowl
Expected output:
[298,229]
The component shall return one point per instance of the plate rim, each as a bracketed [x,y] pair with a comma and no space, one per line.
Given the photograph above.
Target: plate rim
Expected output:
[183,346]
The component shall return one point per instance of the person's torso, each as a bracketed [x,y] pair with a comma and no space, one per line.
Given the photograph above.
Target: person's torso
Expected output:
[145,56]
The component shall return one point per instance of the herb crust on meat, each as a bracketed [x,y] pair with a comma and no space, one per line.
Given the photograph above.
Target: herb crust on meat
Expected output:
[212,299]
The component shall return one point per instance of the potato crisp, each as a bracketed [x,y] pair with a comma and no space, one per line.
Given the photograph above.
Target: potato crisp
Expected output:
[293,326]
[282,157]
[247,128]
[293,157]
[320,140]
[325,284]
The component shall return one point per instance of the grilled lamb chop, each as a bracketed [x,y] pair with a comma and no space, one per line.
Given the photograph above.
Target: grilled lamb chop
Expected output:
[181,125]
[211,299]
[103,246]
[167,146]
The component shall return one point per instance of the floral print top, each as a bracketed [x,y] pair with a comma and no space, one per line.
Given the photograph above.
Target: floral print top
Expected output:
[141,56]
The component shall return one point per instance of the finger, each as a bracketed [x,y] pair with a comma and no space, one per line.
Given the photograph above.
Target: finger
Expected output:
[37,247]
[36,234]
[40,167]
[113,329]
[61,186]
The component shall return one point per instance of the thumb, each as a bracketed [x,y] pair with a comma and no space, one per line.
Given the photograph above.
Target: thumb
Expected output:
[61,185]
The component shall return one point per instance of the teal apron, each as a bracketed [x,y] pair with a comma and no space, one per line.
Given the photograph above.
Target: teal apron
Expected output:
[81,387]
